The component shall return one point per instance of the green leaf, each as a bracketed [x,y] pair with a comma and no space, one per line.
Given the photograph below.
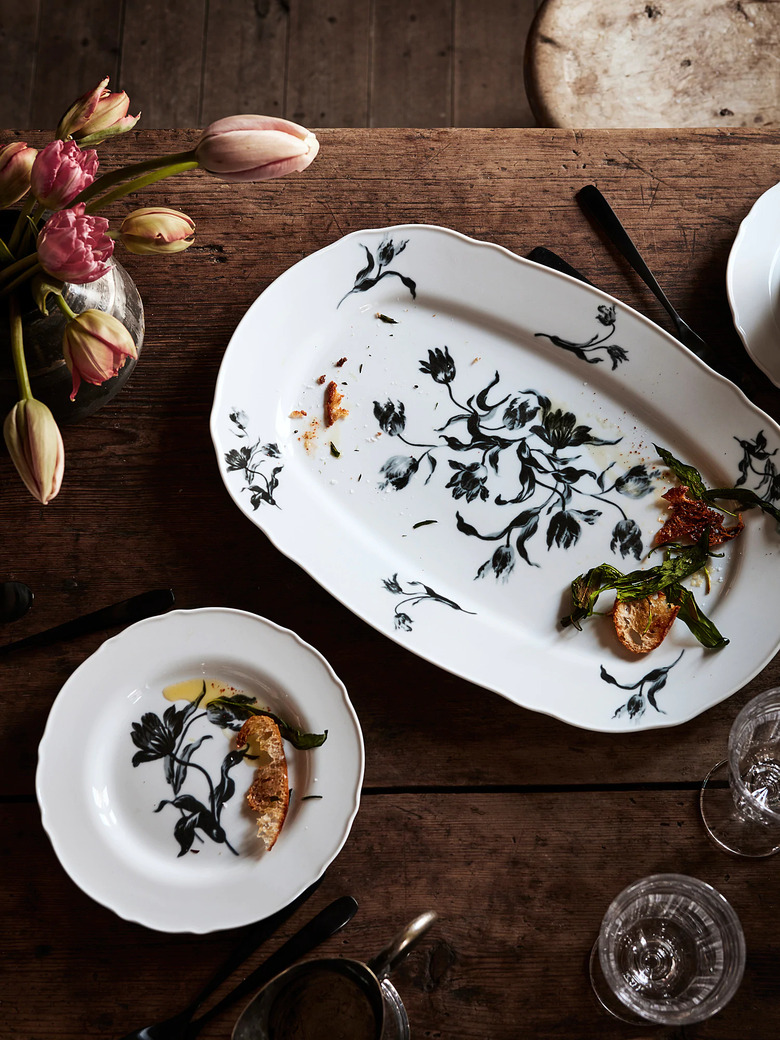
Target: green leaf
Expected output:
[240,708]
[687,475]
[691,615]
[744,497]
[5,253]
[680,562]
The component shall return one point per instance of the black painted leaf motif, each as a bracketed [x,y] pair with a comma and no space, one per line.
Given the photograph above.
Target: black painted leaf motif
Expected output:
[226,787]
[184,833]
[608,678]
[179,766]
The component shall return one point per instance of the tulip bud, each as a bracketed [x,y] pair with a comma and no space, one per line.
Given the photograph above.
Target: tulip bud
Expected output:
[35,445]
[16,161]
[157,229]
[96,115]
[73,246]
[255,148]
[95,345]
[60,171]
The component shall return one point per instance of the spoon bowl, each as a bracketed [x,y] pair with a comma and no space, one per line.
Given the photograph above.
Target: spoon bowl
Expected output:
[15,600]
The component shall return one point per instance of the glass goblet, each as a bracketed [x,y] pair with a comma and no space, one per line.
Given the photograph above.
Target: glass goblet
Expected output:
[740,796]
[670,951]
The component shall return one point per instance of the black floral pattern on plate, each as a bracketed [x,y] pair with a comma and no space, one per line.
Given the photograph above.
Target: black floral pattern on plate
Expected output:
[377,267]
[518,432]
[249,460]
[163,739]
[416,592]
[644,689]
[593,350]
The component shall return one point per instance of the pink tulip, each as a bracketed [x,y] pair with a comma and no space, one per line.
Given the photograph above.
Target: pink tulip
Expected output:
[255,148]
[60,171]
[96,115]
[16,161]
[157,229]
[95,346]
[74,247]
[35,445]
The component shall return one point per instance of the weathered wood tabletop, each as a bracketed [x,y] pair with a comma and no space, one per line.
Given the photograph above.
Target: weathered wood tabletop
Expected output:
[516,828]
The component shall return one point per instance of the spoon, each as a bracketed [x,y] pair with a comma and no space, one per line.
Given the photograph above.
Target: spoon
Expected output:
[596,206]
[327,922]
[174,1028]
[15,600]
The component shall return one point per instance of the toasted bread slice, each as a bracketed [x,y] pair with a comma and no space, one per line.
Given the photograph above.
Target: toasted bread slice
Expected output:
[269,794]
[643,624]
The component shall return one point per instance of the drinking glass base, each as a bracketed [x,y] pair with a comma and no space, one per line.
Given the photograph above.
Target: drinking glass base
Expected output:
[606,997]
[730,831]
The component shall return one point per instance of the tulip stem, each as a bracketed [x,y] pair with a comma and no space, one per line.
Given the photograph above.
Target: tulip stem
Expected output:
[17,266]
[175,163]
[28,273]
[21,223]
[62,303]
[17,350]
[137,183]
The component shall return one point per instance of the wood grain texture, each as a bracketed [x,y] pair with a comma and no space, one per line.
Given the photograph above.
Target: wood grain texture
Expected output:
[162,54]
[489,88]
[327,76]
[18,40]
[411,63]
[78,45]
[518,829]
[520,883]
[245,59]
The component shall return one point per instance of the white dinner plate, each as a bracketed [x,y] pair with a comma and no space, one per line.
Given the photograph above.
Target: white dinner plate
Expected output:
[143,798]
[499,442]
[753,283]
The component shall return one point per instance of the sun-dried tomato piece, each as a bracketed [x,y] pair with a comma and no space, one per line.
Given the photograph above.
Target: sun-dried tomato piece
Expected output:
[690,517]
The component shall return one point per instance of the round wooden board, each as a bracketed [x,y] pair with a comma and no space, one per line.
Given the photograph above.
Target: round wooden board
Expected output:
[625,63]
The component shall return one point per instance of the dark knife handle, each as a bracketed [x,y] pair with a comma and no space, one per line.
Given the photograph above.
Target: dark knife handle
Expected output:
[544,256]
[147,604]
[326,923]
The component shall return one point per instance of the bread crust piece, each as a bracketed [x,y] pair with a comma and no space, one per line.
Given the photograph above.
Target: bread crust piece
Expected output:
[269,795]
[643,624]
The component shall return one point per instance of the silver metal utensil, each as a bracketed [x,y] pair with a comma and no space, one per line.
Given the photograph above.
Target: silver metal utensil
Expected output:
[303,999]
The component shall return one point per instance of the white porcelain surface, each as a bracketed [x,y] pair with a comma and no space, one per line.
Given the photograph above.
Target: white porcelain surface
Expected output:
[99,808]
[531,404]
[753,283]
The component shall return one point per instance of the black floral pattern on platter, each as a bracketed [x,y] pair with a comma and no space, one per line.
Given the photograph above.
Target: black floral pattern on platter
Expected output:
[377,267]
[249,459]
[165,739]
[757,461]
[521,434]
[593,349]
[644,689]
[416,592]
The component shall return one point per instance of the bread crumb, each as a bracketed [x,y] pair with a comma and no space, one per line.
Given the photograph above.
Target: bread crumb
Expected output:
[297,414]
[333,409]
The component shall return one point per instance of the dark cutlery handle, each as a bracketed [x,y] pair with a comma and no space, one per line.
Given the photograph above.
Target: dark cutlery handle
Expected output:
[147,604]
[594,203]
[547,258]
[326,923]
[254,937]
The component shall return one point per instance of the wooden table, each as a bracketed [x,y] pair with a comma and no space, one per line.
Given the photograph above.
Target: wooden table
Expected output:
[518,829]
